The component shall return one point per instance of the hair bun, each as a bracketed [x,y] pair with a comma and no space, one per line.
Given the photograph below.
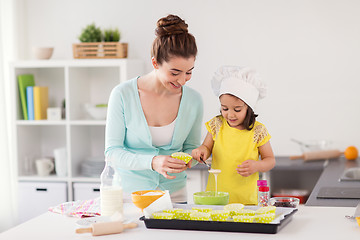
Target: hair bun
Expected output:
[170,25]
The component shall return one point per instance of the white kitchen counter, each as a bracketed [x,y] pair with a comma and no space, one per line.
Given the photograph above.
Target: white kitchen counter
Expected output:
[307,223]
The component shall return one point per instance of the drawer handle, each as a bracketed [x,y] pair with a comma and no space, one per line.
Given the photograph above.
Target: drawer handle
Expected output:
[41,189]
[96,189]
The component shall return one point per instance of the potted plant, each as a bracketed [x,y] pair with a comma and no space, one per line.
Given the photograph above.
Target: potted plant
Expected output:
[91,34]
[99,44]
[111,35]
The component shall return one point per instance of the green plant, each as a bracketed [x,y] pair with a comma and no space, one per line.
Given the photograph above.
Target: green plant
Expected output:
[91,34]
[111,35]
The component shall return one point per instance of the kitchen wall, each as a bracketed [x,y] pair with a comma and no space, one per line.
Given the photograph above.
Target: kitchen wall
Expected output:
[307,51]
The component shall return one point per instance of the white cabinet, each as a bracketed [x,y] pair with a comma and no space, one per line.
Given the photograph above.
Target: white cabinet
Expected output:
[77,82]
[36,197]
[84,191]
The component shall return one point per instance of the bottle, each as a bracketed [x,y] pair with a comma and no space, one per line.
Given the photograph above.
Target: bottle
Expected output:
[263,193]
[111,194]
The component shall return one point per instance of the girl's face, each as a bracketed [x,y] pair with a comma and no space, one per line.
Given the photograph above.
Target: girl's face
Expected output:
[233,109]
[175,73]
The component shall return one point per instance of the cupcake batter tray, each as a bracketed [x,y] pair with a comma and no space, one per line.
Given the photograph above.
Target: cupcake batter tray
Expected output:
[283,217]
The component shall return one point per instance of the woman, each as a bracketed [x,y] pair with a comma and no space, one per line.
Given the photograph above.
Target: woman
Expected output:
[152,116]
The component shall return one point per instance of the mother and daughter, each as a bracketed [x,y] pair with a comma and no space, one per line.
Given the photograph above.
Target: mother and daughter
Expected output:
[154,115]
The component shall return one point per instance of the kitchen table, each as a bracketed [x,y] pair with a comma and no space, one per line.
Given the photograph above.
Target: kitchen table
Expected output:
[307,223]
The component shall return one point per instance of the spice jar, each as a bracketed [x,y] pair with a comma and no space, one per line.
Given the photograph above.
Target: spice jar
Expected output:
[263,193]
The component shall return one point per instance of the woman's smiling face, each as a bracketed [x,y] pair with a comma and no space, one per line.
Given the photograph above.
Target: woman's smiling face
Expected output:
[176,72]
[233,109]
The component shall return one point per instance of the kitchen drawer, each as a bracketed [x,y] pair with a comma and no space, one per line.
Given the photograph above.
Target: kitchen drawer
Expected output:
[36,197]
[85,191]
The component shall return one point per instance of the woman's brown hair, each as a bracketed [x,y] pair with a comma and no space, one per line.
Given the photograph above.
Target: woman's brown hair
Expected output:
[172,40]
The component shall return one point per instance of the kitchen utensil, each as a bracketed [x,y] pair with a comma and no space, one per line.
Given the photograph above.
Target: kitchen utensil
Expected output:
[44,166]
[105,228]
[96,111]
[187,158]
[209,167]
[301,194]
[60,155]
[318,155]
[283,217]
[313,145]
[284,202]
[300,142]
[211,198]
[142,199]
[356,213]
[43,52]
[182,156]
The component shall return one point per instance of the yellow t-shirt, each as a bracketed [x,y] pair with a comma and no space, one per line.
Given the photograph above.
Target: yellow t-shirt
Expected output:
[231,147]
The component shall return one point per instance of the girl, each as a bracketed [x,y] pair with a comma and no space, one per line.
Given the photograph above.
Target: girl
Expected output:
[235,139]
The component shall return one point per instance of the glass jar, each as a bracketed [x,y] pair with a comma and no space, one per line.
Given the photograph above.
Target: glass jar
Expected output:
[111,194]
[263,196]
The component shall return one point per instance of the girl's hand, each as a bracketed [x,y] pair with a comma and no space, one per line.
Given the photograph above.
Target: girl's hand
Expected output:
[200,152]
[247,168]
[165,164]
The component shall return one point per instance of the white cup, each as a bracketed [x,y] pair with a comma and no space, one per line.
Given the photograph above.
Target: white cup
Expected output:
[60,155]
[44,166]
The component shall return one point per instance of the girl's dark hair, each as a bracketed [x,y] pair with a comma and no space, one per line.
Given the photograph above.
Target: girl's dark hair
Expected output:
[250,118]
[172,39]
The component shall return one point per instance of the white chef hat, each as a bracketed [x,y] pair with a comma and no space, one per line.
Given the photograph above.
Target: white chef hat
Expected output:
[241,82]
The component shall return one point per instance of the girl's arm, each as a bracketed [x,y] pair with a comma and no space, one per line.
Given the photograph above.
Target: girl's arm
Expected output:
[267,162]
[204,151]
[267,158]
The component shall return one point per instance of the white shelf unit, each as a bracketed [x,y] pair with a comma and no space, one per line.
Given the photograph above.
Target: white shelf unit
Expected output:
[78,82]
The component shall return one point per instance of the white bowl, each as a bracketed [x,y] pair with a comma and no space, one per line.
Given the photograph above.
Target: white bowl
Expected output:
[43,52]
[98,113]
[313,145]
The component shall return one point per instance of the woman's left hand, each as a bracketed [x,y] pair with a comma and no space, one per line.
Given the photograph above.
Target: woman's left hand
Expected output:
[247,168]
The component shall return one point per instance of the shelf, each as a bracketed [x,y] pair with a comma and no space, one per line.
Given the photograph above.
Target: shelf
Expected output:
[88,122]
[78,82]
[75,63]
[60,123]
[35,178]
[39,122]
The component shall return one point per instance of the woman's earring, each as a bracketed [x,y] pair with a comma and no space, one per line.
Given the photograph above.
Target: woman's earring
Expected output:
[153,61]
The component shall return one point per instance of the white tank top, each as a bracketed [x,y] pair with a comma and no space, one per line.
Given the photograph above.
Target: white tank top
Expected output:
[162,136]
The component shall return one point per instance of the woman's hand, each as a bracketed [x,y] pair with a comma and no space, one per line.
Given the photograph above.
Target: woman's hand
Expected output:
[201,152]
[165,164]
[247,168]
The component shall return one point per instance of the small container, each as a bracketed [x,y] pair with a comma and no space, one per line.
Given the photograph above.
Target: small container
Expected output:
[263,196]
[263,193]
[301,194]
[142,199]
[111,194]
[211,198]
[290,202]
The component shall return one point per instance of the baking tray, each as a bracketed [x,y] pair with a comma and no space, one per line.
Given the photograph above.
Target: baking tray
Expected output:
[280,221]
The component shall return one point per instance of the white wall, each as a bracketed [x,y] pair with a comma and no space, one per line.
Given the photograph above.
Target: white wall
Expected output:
[307,51]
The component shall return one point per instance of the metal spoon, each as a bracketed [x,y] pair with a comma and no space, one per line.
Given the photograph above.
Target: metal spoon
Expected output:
[209,167]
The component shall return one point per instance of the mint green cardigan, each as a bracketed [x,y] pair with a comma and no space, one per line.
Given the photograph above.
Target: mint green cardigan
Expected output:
[128,142]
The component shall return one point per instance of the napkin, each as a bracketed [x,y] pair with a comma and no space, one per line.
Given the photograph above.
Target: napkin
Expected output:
[162,203]
[80,208]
